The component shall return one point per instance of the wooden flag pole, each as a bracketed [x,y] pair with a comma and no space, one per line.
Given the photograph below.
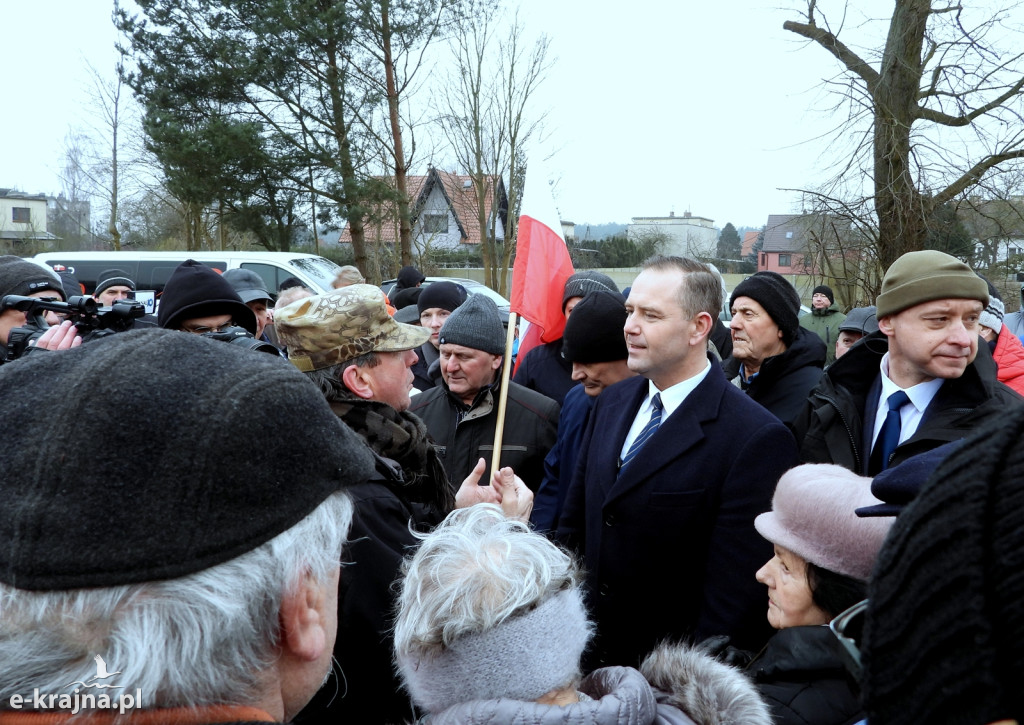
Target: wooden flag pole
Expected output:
[506,368]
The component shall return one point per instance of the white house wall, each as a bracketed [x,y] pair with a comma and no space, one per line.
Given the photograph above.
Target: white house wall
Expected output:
[686,237]
[436,203]
[37,212]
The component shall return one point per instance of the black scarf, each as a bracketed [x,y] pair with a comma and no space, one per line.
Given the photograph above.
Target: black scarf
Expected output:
[402,437]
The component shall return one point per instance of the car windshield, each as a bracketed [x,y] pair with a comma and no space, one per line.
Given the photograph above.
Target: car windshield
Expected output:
[322,270]
[481,289]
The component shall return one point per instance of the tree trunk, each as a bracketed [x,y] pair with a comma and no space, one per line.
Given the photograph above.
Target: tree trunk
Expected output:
[898,202]
[353,213]
[404,219]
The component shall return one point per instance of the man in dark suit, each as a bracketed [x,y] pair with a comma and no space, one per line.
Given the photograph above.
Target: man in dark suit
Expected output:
[673,468]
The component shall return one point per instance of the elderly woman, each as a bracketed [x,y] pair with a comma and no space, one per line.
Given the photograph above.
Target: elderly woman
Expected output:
[491,627]
[824,554]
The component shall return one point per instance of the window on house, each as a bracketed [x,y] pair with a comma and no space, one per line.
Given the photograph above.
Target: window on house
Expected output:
[789,235]
[21,214]
[784,260]
[435,223]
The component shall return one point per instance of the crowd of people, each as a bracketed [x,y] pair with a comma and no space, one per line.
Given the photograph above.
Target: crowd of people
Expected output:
[810,522]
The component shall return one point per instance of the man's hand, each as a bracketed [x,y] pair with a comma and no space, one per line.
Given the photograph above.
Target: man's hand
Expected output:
[506,489]
[471,492]
[60,337]
[516,497]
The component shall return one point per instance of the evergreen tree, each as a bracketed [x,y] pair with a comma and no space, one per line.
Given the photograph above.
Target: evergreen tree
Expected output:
[729,243]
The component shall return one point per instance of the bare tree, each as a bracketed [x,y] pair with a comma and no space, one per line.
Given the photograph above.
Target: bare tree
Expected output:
[944,107]
[483,115]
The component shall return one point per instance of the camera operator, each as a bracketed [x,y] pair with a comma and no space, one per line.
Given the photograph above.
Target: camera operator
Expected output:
[27,279]
[197,299]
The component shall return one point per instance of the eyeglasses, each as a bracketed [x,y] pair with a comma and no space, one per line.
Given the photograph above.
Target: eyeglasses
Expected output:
[848,628]
[203,329]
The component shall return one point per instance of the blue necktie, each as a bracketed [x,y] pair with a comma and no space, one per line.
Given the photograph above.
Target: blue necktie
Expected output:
[889,435]
[648,431]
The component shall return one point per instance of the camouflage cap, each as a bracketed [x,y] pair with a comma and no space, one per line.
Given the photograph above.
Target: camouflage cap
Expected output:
[336,327]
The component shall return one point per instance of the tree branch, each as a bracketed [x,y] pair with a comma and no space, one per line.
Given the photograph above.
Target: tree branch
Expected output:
[836,47]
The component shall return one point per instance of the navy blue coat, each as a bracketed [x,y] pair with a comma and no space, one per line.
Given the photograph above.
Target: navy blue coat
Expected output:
[669,542]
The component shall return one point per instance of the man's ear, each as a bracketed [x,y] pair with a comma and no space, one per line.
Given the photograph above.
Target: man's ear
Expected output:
[304,630]
[356,382]
[496,362]
[702,323]
[885,325]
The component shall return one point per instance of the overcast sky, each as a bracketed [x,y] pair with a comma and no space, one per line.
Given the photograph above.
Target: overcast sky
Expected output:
[654,106]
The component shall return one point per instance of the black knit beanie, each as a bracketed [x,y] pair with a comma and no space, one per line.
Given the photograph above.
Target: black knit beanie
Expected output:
[239,447]
[409,277]
[195,290]
[444,295]
[593,332]
[777,296]
[475,324]
[944,634]
[20,277]
[112,278]
[586,281]
[825,290]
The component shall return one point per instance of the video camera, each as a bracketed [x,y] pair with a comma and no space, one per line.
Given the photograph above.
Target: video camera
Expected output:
[240,336]
[91,320]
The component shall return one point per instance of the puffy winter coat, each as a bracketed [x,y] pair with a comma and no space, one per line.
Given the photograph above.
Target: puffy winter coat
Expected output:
[1009,357]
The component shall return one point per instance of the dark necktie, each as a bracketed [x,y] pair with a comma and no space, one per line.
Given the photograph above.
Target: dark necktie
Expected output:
[889,435]
[648,431]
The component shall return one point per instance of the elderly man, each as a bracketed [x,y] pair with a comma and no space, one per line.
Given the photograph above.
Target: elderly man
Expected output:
[674,466]
[360,359]
[491,626]
[462,414]
[919,382]
[595,347]
[180,576]
[774,360]
[435,304]
[544,368]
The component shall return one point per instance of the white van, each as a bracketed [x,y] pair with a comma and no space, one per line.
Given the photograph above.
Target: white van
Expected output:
[151,270]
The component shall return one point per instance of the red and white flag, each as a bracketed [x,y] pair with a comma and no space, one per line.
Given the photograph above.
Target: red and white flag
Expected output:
[542,264]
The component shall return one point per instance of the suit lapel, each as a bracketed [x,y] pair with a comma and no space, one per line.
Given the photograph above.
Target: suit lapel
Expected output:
[622,422]
[678,434]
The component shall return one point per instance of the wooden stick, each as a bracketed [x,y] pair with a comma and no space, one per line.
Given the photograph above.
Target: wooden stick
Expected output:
[506,368]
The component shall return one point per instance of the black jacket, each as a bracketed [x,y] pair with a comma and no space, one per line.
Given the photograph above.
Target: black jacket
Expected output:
[801,677]
[426,356]
[464,435]
[831,427]
[545,370]
[785,380]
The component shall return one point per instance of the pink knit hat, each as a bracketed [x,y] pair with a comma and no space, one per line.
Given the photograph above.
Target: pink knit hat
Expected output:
[813,516]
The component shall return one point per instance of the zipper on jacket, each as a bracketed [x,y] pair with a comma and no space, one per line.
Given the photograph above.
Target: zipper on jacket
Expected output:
[849,432]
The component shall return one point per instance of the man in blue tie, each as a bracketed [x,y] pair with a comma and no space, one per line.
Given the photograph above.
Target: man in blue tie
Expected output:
[673,467]
[919,382]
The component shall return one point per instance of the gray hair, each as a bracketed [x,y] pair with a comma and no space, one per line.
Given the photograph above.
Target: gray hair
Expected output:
[203,639]
[348,275]
[700,290]
[329,380]
[472,573]
[291,295]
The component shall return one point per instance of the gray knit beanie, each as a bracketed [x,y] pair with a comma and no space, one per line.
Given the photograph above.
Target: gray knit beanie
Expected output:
[522,658]
[813,516]
[21,277]
[587,281]
[475,324]
[919,277]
